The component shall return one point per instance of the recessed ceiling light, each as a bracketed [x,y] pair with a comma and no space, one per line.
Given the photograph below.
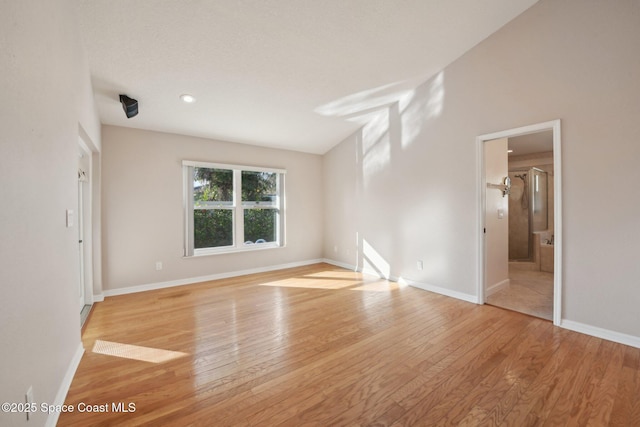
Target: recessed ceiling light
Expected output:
[509,151]
[189,99]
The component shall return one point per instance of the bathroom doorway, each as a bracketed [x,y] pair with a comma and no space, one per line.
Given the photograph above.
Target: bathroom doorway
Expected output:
[531,204]
[84,230]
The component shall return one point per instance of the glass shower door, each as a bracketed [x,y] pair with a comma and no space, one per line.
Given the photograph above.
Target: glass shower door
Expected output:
[539,211]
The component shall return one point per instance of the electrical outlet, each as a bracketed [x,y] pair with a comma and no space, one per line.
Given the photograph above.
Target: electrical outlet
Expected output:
[158,265]
[420,265]
[28,397]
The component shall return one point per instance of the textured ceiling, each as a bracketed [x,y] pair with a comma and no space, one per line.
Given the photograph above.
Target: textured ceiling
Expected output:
[538,142]
[278,73]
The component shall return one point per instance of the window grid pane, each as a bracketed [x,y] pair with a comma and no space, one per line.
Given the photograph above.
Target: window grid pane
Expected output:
[259,186]
[212,228]
[212,185]
[260,226]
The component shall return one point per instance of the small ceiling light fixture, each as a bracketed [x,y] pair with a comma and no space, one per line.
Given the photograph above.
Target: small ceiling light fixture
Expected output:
[189,99]
[509,151]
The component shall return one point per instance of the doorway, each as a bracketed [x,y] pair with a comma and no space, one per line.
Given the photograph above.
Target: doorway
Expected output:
[85,250]
[520,245]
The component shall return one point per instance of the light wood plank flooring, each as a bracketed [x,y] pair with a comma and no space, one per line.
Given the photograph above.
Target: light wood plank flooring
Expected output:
[322,346]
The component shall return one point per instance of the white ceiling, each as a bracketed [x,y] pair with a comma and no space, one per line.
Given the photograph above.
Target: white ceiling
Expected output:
[539,142]
[278,73]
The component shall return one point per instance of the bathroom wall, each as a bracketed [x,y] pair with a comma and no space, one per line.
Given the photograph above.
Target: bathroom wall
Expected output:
[519,234]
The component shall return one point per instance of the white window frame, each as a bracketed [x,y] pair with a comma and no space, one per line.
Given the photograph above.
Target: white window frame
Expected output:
[237,206]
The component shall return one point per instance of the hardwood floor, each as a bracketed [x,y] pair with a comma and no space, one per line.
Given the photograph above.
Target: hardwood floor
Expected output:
[322,346]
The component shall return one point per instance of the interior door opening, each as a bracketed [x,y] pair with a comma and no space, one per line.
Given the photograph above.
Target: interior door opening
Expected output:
[85,252]
[520,218]
[81,276]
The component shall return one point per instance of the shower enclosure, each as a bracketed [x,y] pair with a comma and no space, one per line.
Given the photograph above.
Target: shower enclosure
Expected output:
[528,211]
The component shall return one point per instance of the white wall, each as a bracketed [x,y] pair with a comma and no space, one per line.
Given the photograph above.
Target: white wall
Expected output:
[143,214]
[46,97]
[573,60]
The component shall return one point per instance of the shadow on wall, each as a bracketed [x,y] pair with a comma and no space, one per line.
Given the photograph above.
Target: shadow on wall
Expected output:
[392,117]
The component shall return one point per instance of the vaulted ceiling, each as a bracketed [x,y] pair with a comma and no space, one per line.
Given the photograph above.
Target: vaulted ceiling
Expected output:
[280,73]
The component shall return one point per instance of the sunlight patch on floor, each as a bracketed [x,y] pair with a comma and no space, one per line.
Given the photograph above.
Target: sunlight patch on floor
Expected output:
[313,283]
[136,352]
[379,286]
[334,280]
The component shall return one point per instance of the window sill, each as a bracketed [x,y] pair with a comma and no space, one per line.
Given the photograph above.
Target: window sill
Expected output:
[234,250]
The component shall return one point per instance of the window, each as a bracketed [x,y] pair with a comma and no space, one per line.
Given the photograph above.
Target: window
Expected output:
[231,208]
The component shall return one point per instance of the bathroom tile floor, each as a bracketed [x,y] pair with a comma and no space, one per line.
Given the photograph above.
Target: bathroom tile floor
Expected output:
[529,292]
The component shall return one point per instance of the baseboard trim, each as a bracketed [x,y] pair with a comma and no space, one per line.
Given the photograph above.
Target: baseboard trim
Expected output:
[606,334]
[340,264]
[52,419]
[192,280]
[98,297]
[442,291]
[424,286]
[497,287]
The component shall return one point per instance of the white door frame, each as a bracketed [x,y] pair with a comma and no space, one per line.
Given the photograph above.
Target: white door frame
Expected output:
[86,198]
[553,125]
[80,221]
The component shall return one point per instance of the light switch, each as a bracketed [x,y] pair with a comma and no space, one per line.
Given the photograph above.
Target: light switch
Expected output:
[69,218]
[500,213]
